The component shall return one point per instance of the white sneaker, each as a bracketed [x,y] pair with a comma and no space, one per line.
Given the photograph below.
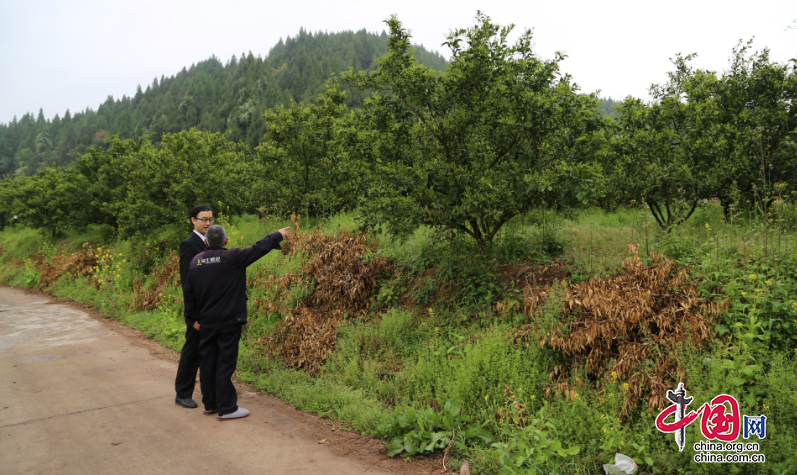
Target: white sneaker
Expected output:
[241,412]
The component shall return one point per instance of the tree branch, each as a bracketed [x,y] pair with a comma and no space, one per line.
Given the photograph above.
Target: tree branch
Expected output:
[654,208]
[498,226]
[506,152]
[429,126]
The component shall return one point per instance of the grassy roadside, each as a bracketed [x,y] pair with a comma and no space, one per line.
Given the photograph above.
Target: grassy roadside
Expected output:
[115,297]
[431,336]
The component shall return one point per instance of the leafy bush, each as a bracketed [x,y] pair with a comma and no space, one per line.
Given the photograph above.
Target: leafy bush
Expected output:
[423,292]
[462,149]
[770,390]
[472,370]
[767,301]
[530,447]
[424,432]
[528,440]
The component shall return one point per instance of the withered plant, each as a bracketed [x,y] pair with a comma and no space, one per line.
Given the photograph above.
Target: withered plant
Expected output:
[165,274]
[79,263]
[344,280]
[631,328]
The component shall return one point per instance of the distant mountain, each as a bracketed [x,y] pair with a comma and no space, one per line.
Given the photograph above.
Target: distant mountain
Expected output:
[608,105]
[210,96]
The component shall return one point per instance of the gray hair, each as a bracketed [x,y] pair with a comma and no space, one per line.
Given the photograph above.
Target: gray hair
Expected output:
[215,236]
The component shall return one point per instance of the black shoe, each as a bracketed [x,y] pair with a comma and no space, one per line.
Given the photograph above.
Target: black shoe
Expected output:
[187,403]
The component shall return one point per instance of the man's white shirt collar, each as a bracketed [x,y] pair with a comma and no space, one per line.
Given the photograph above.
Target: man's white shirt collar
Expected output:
[200,235]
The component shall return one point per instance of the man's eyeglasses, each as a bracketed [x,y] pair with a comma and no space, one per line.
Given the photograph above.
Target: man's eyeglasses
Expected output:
[205,220]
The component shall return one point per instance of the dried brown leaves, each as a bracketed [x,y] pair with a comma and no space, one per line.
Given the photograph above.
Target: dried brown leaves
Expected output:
[344,279]
[80,263]
[629,328]
[166,273]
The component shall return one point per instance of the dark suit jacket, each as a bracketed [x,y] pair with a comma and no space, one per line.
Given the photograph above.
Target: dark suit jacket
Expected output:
[189,248]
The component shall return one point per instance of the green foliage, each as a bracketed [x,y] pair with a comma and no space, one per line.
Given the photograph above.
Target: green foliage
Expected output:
[467,368]
[530,447]
[30,278]
[477,284]
[770,391]
[107,174]
[608,106]
[162,189]
[390,291]
[706,135]
[424,432]
[476,166]
[308,172]
[415,359]
[768,304]
[528,440]
[423,292]
[499,132]
[211,95]
[136,187]
[166,325]
[51,200]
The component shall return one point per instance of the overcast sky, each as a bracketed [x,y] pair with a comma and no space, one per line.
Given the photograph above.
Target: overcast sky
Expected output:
[72,54]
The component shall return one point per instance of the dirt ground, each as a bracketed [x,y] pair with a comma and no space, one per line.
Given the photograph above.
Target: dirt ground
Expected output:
[83,394]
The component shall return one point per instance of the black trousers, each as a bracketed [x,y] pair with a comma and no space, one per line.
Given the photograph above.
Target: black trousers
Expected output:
[219,350]
[189,363]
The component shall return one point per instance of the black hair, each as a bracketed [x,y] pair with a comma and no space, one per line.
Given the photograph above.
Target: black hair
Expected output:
[198,209]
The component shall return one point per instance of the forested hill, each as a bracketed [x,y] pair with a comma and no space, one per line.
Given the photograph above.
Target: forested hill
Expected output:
[211,96]
[608,105]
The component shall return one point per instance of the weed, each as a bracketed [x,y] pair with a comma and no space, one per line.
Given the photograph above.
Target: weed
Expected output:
[424,432]
[424,291]
[415,342]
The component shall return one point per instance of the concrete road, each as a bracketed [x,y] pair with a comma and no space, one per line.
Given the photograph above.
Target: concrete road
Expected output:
[80,395]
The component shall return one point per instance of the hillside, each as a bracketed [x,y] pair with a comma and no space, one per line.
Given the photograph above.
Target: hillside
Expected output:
[210,95]
[608,105]
[482,265]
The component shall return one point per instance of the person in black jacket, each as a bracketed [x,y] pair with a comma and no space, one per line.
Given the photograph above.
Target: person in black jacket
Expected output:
[202,218]
[215,296]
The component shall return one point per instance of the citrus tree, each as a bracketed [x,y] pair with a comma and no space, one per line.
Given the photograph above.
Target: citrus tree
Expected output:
[306,169]
[191,167]
[757,121]
[51,200]
[499,132]
[136,187]
[706,135]
[663,157]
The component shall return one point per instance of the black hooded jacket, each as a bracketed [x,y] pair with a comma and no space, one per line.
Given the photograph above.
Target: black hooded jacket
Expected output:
[215,288]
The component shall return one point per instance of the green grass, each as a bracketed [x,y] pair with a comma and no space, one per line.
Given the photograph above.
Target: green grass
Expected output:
[451,348]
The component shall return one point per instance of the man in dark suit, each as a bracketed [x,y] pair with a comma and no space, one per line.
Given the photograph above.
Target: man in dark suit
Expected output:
[202,218]
[215,296]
